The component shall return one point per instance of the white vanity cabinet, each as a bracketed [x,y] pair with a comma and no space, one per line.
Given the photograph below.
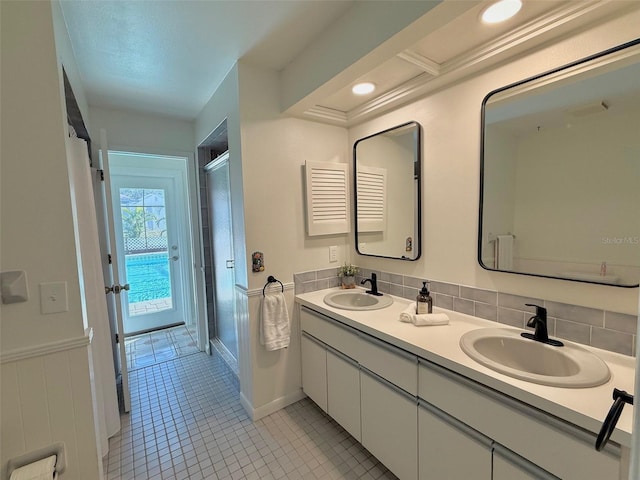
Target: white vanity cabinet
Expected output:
[426,422]
[370,389]
[547,443]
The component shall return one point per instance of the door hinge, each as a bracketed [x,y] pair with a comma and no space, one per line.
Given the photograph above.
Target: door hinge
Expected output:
[101,172]
[109,261]
[117,338]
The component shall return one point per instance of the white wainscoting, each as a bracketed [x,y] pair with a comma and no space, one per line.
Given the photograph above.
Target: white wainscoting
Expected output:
[45,398]
[269,381]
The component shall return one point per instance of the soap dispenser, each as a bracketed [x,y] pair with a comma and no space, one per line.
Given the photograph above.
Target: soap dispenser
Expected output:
[424,302]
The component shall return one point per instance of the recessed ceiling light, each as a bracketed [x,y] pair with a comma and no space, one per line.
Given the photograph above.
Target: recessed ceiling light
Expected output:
[363,88]
[501,11]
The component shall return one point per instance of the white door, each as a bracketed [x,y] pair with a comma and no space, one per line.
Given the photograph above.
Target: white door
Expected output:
[219,197]
[114,288]
[149,252]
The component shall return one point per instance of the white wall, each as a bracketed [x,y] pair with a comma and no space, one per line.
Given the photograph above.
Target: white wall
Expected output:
[141,132]
[451,166]
[37,227]
[274,150]
[45,364]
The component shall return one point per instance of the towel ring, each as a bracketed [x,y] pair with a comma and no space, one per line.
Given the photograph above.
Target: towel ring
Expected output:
[271,279]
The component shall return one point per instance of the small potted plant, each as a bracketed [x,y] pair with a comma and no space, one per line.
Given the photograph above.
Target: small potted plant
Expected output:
[347,273]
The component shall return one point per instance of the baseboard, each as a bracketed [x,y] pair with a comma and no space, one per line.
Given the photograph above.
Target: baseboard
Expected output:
[226,355]
[271,407]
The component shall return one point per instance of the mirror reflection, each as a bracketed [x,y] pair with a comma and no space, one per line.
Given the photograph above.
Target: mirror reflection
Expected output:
[387,193]
[560,179]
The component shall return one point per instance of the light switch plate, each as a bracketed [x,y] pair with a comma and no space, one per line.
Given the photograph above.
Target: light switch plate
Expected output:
[53,297]
[333,253]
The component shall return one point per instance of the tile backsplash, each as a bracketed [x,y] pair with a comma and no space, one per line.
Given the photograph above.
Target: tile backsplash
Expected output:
[589,326]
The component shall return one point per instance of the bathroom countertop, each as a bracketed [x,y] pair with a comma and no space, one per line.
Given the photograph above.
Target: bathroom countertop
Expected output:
[584,407]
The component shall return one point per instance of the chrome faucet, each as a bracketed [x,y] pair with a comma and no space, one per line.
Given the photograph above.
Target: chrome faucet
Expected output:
[539,322]
[374,284]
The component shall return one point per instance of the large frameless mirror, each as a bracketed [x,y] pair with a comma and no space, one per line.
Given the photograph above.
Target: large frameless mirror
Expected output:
[560,175]
[387,193]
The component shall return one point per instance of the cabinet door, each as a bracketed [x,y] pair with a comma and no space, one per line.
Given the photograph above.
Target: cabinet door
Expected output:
[389,425]
[343,392]
[314,370]
[450,450]
[510,466]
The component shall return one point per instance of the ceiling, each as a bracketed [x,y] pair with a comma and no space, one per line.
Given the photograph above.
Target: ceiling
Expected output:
[169,57]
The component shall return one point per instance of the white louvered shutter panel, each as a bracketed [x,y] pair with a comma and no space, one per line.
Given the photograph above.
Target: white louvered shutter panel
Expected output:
[372,199]
[327,198]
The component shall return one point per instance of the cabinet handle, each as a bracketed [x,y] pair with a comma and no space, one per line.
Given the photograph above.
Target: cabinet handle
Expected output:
[389,348]
[330,320]
[388,384]
[457,424]
[342,356]
[522,463]
[314,340]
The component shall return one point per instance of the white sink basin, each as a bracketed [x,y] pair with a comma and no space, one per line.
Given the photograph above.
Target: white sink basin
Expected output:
[505,351]
[357,300]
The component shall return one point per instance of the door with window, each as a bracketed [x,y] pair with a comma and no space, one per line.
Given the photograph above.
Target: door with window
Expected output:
[149,247]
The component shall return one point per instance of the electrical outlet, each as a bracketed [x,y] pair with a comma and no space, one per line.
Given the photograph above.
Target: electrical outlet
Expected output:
[333,253]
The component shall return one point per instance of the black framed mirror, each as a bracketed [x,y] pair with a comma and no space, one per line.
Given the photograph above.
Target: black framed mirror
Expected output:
[387,186]
[560,172]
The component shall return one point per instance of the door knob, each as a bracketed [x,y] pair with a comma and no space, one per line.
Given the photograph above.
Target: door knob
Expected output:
[174,258]
[116,288]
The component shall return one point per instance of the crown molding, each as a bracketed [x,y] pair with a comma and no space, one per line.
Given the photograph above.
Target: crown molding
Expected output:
[327,114]
[464,63]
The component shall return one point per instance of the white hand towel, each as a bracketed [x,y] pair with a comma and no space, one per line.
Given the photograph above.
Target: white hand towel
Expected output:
[504,246]
[274,322]
[41,470]
[409,315]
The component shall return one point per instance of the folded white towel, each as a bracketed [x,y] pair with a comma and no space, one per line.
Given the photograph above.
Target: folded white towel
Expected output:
[274,322]
[409,315]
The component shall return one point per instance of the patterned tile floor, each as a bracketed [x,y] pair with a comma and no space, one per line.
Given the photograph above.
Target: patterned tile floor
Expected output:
[186,423]
[159,346]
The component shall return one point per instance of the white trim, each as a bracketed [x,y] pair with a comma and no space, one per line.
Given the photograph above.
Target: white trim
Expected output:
[47,348]
[420,61]
[271,407]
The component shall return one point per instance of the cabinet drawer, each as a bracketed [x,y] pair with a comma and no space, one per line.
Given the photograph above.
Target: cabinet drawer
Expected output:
[391,363]
[340,337]
[556,446]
